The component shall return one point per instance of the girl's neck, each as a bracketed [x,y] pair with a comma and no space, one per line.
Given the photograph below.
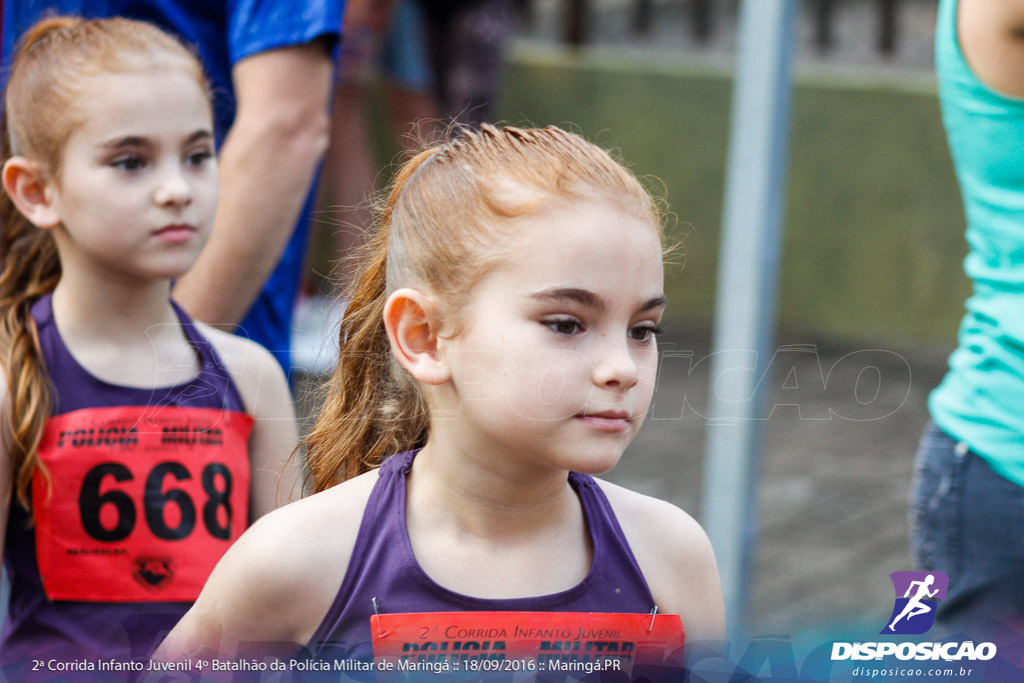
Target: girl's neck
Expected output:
[485,495]
[89,307]
[126,336]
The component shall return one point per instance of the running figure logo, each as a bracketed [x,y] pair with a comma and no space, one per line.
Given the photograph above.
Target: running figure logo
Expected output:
[914,612]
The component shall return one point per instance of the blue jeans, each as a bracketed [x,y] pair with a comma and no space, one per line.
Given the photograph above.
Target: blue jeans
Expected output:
[967,521]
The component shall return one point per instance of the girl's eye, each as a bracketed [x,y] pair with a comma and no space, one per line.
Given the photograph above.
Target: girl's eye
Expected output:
[564,327]
[129,163]
[644,333]
[199,158]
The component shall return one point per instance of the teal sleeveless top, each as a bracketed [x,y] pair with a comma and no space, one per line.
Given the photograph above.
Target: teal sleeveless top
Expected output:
[981,399]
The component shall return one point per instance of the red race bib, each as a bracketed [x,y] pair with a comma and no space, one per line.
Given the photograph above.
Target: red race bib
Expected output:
[535,642]
[141,502]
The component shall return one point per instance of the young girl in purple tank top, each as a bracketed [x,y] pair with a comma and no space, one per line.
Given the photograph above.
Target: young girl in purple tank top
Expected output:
[504,322]
[136,444]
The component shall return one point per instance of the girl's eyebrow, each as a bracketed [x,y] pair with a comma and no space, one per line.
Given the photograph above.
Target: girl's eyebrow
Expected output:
[201,134]
[651,304]
[126,141]
[589,299]
[142,141]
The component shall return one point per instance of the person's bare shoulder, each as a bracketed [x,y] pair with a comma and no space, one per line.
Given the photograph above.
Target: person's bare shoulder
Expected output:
[252,367]
[991,36]
[676,559]
[275,585]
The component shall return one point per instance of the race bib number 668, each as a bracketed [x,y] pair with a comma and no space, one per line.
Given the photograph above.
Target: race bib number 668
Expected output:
[141,502]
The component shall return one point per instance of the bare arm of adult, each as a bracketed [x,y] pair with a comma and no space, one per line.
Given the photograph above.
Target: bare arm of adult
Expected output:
[276,479]
[991,36]
[676,559]
[266,167]
[274,586]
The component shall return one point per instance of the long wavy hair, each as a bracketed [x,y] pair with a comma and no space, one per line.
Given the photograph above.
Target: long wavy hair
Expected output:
[51,70]
[444,223]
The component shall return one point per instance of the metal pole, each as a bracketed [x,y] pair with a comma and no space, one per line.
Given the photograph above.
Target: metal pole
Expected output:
[747,286]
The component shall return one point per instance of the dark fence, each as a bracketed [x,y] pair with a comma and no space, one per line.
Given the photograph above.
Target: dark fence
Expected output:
[702,26]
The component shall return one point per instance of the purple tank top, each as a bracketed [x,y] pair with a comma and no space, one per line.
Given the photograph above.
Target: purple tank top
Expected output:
[37,627]
[383,566]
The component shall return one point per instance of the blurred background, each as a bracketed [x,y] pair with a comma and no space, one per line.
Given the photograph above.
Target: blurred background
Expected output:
[871,288]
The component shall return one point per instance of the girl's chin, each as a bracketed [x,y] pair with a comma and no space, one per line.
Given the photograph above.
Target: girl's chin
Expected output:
[595,462]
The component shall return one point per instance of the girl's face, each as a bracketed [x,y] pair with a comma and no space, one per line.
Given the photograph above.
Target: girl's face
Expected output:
[137,187]
[557,359]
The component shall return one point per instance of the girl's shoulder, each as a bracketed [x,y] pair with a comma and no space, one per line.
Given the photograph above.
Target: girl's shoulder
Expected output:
[253,369]
[241,356]
[307,544]
[657,530]
[675,557]
[332,516]
[277,582]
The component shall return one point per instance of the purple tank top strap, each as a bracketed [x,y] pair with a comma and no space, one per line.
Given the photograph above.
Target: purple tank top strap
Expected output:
[209,358]
[616,557]
[380,532]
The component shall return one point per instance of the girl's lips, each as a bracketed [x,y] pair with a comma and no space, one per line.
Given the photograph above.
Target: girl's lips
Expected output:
[176,233]
[606,422]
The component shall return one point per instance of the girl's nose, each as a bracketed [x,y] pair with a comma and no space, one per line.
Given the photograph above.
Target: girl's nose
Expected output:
[173,189]
[616,370]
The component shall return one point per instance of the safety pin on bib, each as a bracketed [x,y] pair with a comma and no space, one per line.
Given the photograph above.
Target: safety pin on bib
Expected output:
[654,613]
[376,611]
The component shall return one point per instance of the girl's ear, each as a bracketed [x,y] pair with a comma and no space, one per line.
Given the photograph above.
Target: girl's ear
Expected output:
[411,320]
[27,186]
